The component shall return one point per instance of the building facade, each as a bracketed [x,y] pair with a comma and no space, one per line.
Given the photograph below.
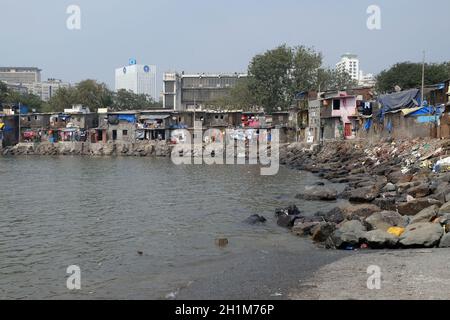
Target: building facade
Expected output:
[196,91]
[45,90]
[140,79]
[20,75]
[350,64]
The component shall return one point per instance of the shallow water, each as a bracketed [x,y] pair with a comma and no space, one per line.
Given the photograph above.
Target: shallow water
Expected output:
[97,213]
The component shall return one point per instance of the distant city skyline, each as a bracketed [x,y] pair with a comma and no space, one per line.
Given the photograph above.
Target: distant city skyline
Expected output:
[213,36]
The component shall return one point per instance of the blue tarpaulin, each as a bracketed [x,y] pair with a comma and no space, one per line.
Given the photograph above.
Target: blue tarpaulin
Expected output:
[127,117]
[426,119]
[23,109]
[400,100]
[368,124]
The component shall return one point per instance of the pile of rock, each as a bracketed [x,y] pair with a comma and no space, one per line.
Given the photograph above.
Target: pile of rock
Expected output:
[388,181]
[111,148]
[367,226]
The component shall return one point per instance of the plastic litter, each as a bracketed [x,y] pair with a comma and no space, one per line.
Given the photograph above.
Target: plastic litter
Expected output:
[396,231]
[442,165]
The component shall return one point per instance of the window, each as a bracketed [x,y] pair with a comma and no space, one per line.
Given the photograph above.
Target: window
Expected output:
[125,132]
[336,104]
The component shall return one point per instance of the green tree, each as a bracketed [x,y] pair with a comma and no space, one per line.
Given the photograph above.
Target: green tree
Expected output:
[33,102]
[331,79]
[94,95]
[240,97]
[127,100]
[271,78]
[64,98]
[408,75]
[277,75]
[3,92]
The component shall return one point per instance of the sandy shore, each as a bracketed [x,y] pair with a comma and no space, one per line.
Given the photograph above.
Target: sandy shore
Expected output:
[405,275]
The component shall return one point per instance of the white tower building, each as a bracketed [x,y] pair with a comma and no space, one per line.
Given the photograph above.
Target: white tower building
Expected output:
[349,63]
[140,79]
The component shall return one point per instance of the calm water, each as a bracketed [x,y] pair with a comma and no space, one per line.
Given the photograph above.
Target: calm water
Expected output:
[97,213]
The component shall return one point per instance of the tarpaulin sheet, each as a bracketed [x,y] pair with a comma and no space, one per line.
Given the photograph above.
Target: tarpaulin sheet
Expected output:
[400,100]
[127,117]
[140,134]
[155,117]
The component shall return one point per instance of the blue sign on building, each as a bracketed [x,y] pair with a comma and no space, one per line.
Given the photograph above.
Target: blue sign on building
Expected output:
[146,69]
[132,62]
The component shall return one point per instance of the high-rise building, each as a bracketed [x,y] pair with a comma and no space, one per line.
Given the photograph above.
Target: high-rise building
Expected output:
[46,89]
[349,63]
[140,79]
[196,91]
[20,75]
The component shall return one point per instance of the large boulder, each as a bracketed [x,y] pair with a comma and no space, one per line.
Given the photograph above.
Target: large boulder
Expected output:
[335,215]
[255,219]
[390,187]
[292,210]
[286,217]
[379,239]
[426,215]
[444,209]
[422,235]
[413,207]
[445,241]
[385,220]
[398,177]
[385,203]
[350,234]
[363,195]
[360,211]
[420,191]
[302,229]
[287,221]
[318,193]
[322,231]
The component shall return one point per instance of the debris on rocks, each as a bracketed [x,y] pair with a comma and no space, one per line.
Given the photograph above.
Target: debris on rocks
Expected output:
[398,193]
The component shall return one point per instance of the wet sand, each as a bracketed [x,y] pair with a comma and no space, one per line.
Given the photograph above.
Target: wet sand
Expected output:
[405,275]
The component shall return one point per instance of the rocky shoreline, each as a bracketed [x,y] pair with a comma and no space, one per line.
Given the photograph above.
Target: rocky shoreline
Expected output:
[396,199]
[136,149]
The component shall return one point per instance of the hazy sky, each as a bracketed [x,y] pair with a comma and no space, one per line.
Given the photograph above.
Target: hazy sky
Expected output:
[213,35]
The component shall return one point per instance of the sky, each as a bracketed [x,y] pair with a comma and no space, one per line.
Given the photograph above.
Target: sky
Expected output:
[213,35]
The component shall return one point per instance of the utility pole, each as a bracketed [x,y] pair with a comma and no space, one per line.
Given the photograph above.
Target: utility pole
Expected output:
[19,122]
[423,79]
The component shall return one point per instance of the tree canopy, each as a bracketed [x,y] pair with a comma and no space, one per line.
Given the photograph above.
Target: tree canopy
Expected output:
[275,77]
[96,95]
[408,75]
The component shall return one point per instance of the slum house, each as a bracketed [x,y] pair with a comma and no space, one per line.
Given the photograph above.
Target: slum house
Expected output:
[34,127]
[439,97]
[154,125]
[60,129]
[300,114]
[220,122]
[282,122]
[313,130]
[121,126]
[339,118]
[9,130]
[401,115]
[100,133]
